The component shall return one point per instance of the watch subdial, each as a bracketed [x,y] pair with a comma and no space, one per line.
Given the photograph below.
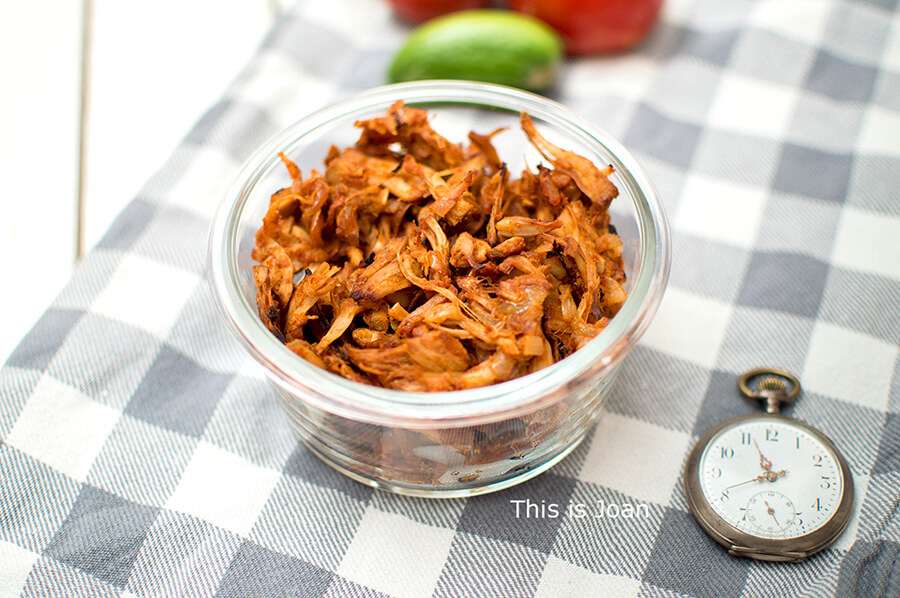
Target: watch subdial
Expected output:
[770,513]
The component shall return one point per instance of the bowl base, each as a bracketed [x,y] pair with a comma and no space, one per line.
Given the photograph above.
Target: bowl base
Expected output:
[436,491]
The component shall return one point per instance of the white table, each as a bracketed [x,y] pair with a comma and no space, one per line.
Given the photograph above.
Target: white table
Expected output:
[96,95]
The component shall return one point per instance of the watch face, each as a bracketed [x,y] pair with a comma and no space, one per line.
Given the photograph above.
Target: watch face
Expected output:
[770,478]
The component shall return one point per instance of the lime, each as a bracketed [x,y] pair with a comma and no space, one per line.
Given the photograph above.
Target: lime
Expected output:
[481,45]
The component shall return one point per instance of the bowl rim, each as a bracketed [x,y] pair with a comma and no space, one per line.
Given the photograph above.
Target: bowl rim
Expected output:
[335,394]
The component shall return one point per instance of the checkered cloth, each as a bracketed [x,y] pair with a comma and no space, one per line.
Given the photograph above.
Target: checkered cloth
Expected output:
[143,455]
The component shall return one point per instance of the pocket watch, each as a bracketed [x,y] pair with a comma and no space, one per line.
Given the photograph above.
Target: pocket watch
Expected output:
[767,486]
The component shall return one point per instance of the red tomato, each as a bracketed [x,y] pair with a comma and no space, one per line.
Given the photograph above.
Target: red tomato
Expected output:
[590,26]
[419,11]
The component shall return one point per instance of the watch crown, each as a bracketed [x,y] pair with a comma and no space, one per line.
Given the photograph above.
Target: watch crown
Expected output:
[771,384]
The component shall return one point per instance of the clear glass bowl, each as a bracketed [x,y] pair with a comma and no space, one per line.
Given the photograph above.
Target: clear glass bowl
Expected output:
[455,443]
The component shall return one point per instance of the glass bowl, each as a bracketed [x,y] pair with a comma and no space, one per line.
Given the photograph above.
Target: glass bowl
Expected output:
[455,443]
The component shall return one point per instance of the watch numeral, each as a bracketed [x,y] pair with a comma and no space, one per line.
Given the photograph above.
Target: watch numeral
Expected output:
[798,443]
[727,452]
[771,435]
[724,496]
[745,438]
[825,484]
[817,460]
[715,472]
[817,505]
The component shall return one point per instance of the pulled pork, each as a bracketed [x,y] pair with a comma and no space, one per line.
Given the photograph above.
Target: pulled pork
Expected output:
[419,264]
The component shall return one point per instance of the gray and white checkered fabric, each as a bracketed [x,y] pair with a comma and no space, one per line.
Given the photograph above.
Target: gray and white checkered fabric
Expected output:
[143,455]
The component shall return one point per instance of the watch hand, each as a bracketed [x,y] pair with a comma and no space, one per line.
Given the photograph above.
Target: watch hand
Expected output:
[771,512]
[763,462]
[771,476]
[758,478]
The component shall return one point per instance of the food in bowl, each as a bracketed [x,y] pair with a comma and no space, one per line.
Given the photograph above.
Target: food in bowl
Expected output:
[457,442]
[419,264]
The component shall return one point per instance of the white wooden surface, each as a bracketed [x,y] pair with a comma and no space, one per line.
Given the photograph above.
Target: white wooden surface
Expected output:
[39,139]
[151,70]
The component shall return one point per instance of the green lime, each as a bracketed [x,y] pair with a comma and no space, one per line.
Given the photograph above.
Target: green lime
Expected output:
[496,46]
